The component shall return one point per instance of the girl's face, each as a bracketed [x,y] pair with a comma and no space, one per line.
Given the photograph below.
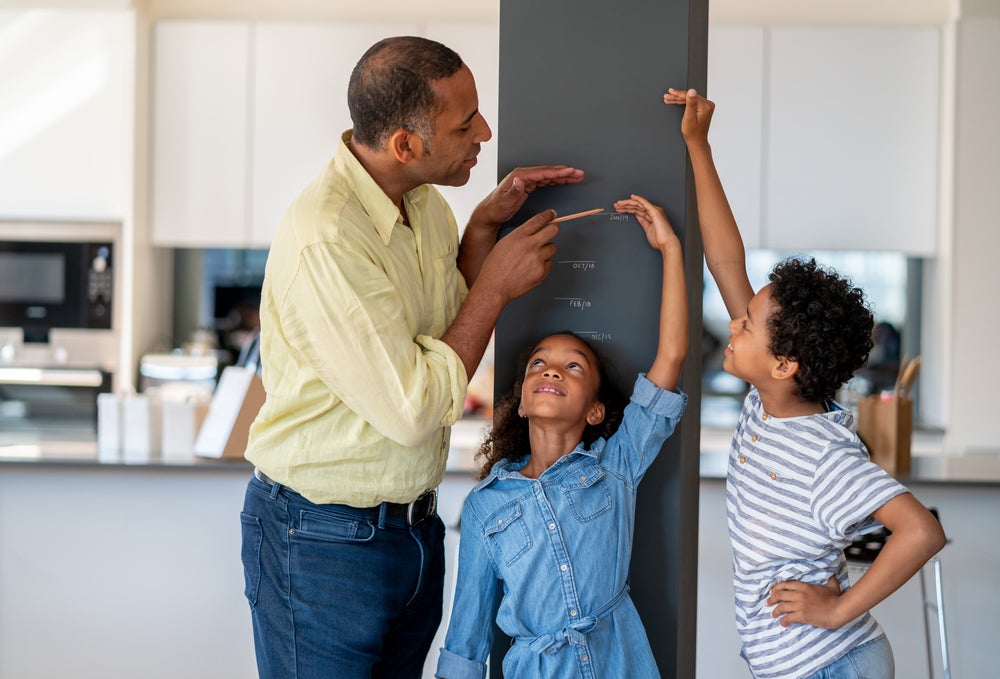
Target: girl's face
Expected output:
[748,356]
[561,382]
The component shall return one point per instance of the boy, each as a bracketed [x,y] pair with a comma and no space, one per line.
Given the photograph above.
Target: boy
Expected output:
[800,486]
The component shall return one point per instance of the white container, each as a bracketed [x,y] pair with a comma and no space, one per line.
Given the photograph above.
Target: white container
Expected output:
[109,427]
[180,424]
[141,432]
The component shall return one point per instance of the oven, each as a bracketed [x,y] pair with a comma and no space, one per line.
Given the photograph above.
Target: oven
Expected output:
[55,284]
[58,329]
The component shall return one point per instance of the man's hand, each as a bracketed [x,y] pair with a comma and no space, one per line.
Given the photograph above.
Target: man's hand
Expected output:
[522,259]
[508,197]
[810,604]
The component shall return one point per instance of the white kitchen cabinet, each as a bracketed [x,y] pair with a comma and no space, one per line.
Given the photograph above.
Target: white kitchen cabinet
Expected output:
[66,114]
[200,133]
[246,115]
[300,77]
[852,139]
[736,85]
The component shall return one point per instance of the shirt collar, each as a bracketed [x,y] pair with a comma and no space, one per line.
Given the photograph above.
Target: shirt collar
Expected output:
[506,469]
[383,212]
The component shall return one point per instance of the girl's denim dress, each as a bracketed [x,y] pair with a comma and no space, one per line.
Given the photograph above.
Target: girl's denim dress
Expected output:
[560,547]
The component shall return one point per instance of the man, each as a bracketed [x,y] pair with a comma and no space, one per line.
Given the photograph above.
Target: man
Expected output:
[373,318]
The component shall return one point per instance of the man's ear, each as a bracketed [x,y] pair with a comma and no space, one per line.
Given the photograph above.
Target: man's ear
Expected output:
[785,368]
[405,145]
[596,414]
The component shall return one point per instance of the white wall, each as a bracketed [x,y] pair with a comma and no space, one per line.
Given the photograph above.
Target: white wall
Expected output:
[974,322]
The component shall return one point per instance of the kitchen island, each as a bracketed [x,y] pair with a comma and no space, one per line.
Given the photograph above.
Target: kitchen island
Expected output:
[118,570]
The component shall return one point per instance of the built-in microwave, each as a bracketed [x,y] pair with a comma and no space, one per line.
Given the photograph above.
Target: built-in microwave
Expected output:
[55,284]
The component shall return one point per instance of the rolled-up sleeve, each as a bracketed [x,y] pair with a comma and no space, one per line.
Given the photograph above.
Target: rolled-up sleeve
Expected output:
[649,419]
[453,666]
[346,307]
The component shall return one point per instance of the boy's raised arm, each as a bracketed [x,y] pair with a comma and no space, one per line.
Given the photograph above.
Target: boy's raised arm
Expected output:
[723,244]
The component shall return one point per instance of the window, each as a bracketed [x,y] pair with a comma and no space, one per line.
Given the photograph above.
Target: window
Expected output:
[889,282]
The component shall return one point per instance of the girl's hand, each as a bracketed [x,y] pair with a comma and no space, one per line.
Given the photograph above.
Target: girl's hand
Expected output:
[804,603]
[697,113]
[653,220]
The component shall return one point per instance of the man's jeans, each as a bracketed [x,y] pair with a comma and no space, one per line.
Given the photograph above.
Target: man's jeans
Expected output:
[334,594]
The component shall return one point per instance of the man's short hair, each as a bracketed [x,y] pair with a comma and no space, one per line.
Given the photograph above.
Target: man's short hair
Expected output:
[390,88]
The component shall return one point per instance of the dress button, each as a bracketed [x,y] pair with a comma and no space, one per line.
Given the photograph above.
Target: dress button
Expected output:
[754,438]
[743,459]
[564,567]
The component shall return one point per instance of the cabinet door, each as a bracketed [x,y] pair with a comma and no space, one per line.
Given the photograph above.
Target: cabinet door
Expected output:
[736,85]
[200,133]
[65,114]
[479,47]
[852,139]
[300,80]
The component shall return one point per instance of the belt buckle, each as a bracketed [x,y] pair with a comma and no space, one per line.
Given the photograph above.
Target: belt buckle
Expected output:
[428,503]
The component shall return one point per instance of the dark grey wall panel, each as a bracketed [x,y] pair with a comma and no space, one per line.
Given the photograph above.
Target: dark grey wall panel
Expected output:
[581,83]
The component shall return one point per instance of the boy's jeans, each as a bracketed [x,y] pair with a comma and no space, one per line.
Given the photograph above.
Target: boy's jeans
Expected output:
[871,660]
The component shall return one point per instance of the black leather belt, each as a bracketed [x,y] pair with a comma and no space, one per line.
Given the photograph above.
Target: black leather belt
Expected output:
[413,513]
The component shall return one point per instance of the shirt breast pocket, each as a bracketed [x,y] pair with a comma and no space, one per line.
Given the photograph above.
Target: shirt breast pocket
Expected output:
[507,532]
[446,278]
[587,493]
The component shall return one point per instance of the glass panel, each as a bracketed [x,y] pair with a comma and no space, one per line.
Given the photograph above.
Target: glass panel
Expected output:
[883,277]
[27,278]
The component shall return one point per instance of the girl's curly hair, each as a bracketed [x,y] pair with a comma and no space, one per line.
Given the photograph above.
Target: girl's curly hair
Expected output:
[823,322]
[508,438]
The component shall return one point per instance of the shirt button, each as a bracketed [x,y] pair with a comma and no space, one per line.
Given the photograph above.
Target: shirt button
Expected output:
[584,658]
[552,526]
[754,438]
[564,568]
[764,416]
[774,477]
[499,522]
[572,612]
[743,459]
[582,479]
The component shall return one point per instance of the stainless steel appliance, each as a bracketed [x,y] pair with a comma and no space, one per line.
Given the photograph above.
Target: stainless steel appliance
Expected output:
[59,344]
[55,284]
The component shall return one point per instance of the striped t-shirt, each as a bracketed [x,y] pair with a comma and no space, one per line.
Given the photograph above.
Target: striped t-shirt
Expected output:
[799,489]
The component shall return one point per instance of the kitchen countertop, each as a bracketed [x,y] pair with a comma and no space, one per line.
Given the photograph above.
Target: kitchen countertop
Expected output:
[929,463]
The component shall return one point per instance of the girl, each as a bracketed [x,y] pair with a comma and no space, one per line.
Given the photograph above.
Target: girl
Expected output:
[553,517]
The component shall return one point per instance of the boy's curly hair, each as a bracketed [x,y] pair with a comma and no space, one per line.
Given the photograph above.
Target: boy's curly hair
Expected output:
[823,322]
[508,438]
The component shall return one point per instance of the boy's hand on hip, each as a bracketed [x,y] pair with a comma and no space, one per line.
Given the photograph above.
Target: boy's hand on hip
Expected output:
[800,602]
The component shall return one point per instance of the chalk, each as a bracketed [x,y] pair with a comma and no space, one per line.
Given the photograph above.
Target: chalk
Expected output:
[579,214]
